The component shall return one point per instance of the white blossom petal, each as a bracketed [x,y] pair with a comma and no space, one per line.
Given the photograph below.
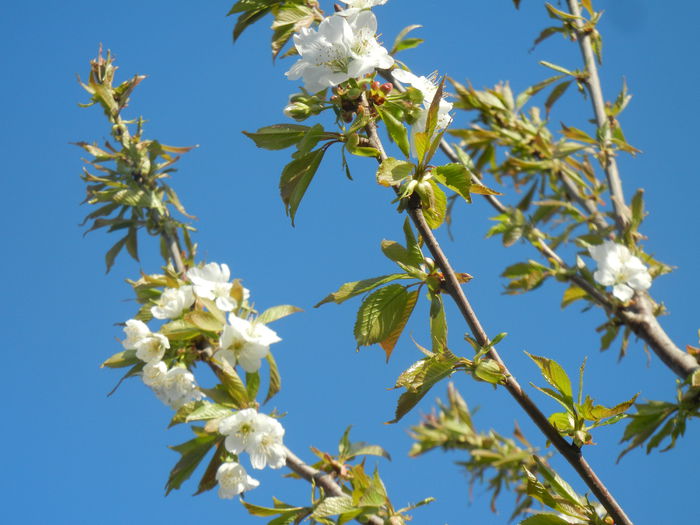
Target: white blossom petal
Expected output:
[617,267]
[233,480]
[172,302]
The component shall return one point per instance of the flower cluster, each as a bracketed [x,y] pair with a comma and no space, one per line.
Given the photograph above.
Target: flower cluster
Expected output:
[617,267]
[344,46]
[175,386]
[257,434]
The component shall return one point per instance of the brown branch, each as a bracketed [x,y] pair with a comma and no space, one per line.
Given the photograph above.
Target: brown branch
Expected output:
[570,452]
[622,212]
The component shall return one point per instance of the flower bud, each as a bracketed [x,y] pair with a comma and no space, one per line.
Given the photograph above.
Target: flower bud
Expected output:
[298,111]
[375,85]
[386,88]
[354,93]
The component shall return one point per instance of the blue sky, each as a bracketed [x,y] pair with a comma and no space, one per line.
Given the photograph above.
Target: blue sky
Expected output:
[74,456]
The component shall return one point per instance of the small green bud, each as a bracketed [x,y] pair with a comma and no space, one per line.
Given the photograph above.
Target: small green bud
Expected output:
[489,370]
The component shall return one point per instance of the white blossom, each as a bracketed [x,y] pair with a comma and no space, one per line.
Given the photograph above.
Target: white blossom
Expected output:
[153,374]
[244,343]
[617,267]
[149,346]
[363,4]
[344,47]
[172,302]
[212,282]
[233,479]
[239,429]
[428,87]
[174,387]
[266,448]
[258,434]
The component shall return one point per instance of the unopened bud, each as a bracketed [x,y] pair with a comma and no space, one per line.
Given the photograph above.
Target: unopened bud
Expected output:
[298,111]
[375,85]
[354,93]
[386,88]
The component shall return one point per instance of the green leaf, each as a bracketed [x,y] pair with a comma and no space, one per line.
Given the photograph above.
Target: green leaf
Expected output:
[554,374]
[556,94]
[561,487]
[434,202]
[572,293]
[192,452]
[275,378]
[266,512]
[392,172]
[389,342]
[206,321]
[544,519]
[296,178]
[593,412]
[333,506]
[179,330]
[380,314]
[401,42]
[438,323]
[412,244]
[252,384]
[420,378]
[456,177]
[556,68]
[278,136]
[121,360]
[206,411]
[431,121]
[208,480]
[396,130]
[349,290]
[233,385]
[113,252]
[277,312]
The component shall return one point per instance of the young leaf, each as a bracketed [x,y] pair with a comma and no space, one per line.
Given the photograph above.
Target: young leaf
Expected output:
[420,378]
[349,290]
[555,375]
[277,312]
[396,130]
[380,314]
[401,43]
[296,178]
[192,452]
[389,342]
[434,202]
[456,177]
[392,172]
[278,136]
[275,378]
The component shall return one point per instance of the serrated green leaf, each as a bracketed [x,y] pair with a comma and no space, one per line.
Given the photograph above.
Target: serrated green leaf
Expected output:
[420,378]
[349,290]
[389,342]
[456,177]
[392,172]
[296,178]
[380,314]
[332,506]
[555,375]
[113,252]
[233,385]
[556,94]
[544,519]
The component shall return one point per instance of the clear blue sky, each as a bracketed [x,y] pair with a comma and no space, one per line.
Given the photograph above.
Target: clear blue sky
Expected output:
[73,456]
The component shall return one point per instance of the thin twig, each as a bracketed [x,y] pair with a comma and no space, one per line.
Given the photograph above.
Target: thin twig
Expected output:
[622,212]
[570,452]
[324,480]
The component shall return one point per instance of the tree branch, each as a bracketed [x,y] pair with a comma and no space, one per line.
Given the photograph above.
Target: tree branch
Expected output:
[622,212]
[640,317]
[570,452]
